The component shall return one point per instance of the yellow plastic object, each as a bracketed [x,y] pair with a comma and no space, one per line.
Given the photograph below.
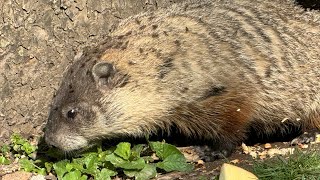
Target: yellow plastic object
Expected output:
[231,172]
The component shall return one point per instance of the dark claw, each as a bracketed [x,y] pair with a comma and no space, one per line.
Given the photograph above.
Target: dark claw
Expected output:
[210,153]
[305,138]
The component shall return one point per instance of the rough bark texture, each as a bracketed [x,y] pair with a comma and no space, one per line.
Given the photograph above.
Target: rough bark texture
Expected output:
[38,40]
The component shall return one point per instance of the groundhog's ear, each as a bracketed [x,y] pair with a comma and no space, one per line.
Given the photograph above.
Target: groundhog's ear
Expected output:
[103,73]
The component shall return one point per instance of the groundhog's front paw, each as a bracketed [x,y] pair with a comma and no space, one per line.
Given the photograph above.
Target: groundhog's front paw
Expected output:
[306,137]
[211,153]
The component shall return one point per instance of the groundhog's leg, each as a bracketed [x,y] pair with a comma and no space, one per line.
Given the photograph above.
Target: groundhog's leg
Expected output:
[221,119]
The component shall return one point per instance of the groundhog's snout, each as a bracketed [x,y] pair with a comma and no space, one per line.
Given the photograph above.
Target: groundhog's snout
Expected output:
[49,137]
[64,139]
[49,140]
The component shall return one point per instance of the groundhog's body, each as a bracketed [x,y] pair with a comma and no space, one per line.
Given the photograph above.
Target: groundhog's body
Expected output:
[213,70]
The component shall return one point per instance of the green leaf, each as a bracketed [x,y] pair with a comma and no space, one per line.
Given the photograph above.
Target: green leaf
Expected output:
[21,144]
[77,164]
[5,148]
[131,173]
[105,174]
[69,167]
[163,150]
[89,154]
[109,165]
[102,154]
[4,160]
[28,148]
[123,150]
[78,161]
[102,177]
[27,165]
[17,139]
[115,160]
[48,166]
[125,164]
[109,172]
[148,172]
[175,162]
[74,175]
[16,147]
[91,162]
[17,156]
[41,171]
[148,159]
[137,164]
[136,151]
[60,168]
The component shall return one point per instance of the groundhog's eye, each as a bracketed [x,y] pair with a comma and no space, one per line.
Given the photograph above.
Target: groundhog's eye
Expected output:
[72,113]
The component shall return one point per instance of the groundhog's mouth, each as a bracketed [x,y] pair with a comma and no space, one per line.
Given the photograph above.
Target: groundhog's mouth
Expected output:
[67,143]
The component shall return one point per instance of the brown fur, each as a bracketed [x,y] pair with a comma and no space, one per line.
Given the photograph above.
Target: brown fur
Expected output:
[214,70]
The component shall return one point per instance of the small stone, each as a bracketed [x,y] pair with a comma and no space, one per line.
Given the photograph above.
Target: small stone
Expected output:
[303,146]
[253,154]
[317,140]
[154,157]
[200,162]
[267,146]
[235,161]
[38,177]
[263,154]
[272,152]
[263,157]
[245,148]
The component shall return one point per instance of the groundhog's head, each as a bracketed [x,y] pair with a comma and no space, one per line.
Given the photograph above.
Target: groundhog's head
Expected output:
[78,114]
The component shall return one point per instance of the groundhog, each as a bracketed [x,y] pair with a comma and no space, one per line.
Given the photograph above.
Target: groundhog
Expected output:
[213,70]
